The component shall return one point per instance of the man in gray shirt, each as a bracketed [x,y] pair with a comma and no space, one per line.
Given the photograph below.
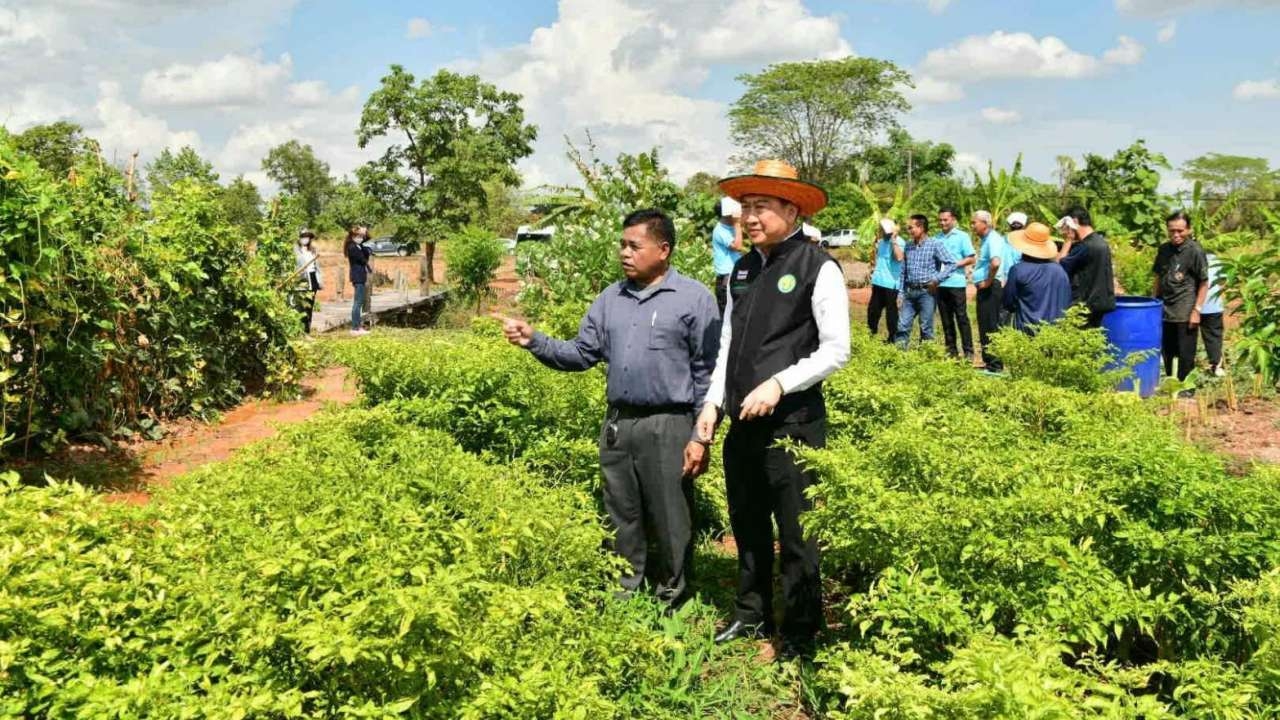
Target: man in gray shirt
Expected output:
[659,333]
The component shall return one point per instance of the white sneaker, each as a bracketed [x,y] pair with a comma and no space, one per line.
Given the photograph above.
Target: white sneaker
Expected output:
[1219,371]
[361,331]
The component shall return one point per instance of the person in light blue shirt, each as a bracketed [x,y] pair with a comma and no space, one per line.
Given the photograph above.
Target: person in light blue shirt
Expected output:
[886,276]
[995,258]
[726,246]
[953,298]
[1211,317]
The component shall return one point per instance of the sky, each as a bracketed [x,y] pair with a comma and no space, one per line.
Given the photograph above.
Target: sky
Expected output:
[994,79]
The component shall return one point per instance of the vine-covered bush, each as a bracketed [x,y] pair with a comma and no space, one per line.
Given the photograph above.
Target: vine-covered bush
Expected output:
[113,318]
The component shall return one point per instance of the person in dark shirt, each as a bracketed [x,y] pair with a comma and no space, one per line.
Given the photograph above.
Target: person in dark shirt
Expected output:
[1181,282]
[358,260]
[659,332]
[1086,257]
[1037,290]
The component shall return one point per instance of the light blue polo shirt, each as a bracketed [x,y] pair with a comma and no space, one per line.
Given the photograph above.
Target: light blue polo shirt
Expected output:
[723,256]
[957,243]
[1212,298]
[994,245]
[888,272]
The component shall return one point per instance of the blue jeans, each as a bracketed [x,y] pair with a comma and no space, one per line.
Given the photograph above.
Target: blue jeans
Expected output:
[357,302]
[915,302]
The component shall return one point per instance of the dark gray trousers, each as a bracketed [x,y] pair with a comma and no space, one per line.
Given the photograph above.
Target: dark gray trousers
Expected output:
[648,498]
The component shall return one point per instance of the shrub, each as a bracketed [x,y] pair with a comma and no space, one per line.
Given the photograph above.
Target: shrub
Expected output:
[473,256]
[1064,353]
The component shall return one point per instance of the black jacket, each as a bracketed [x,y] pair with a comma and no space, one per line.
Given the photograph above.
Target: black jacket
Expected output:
[358,257]
[773,325]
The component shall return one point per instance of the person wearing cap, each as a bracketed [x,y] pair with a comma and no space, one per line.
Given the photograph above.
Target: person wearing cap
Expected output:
[1037,289]
[1017,221]
[886,276]
[726,245]
[1086,257]
[925,263]
[307,269]
[658,331]
[786,330]
[1181,281]
[995,257]
[952,295]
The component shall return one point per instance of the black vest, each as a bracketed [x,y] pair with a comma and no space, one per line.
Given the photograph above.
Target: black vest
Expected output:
[773,325]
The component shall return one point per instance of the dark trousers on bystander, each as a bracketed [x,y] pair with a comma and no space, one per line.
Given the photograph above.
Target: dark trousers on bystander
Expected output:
[990,311]
[764,484]
[953,308]
[883,301]
[1179,343]
[1211,334]
[648,498]
[722,291]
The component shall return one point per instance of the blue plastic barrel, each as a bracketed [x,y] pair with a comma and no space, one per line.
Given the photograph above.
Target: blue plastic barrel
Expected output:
[1135,327]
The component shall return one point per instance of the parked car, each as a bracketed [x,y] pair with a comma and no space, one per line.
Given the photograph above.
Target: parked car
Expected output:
[387,246]
[840,238]
[528,232]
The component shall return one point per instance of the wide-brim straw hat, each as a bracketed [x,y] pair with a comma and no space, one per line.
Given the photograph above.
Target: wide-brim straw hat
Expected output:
[776,178]
[1036,240]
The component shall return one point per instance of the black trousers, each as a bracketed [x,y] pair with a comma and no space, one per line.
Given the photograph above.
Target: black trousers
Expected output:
[1211,334]
[648,498]
[765,485]
[722,291]
[1179,342]
[883,300]
[954,311]
[990,315]
[1094,319]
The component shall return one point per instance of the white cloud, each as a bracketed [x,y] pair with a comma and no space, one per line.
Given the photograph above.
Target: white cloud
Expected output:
[311,93]
[938,6]
[627,71]
[33,105]
[1167,31]
[1257,90]
[123,128]
[1169,7]
[930,90]
[1126,52]
[1001,116]
[418,28]
[231,80]
[1002,54]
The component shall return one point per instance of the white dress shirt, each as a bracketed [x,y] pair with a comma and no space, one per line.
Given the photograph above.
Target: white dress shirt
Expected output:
[830,306]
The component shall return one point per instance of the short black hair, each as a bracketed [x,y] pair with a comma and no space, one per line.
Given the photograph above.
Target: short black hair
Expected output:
[924,221]
[657,223]
[1179,215]
[1081,216]
[948,209]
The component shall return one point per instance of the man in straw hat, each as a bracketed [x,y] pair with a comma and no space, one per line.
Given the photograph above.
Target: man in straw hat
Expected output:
[1037,289]
[786,329]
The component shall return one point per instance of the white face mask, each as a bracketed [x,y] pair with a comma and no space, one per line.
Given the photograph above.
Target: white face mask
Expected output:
[306,242]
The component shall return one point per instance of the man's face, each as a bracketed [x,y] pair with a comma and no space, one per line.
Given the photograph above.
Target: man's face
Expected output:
[767,220]
[979,226]
[1178,231]
[946,221]
[916,229]
[643,258]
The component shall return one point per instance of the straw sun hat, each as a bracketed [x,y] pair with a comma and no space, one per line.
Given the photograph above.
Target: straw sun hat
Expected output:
[1035,241]
[777,179]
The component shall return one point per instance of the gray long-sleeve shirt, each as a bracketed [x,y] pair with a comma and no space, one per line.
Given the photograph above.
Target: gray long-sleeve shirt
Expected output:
[660,342]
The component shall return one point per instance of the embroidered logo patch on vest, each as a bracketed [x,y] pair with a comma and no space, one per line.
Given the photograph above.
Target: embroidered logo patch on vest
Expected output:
[786,283]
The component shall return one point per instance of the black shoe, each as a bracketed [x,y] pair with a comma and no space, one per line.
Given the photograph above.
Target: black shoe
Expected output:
[797,649]
[739,629]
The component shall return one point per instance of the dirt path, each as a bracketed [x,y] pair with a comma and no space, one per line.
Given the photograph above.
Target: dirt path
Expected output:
[192,445]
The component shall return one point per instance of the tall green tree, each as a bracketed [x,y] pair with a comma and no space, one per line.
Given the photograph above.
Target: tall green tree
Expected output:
[170,167]
[450,135]
[55,146]
[815,115]
[243,205]
[1225,174]
[299,172]
[899,158]
[348,205]
[1126,189]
